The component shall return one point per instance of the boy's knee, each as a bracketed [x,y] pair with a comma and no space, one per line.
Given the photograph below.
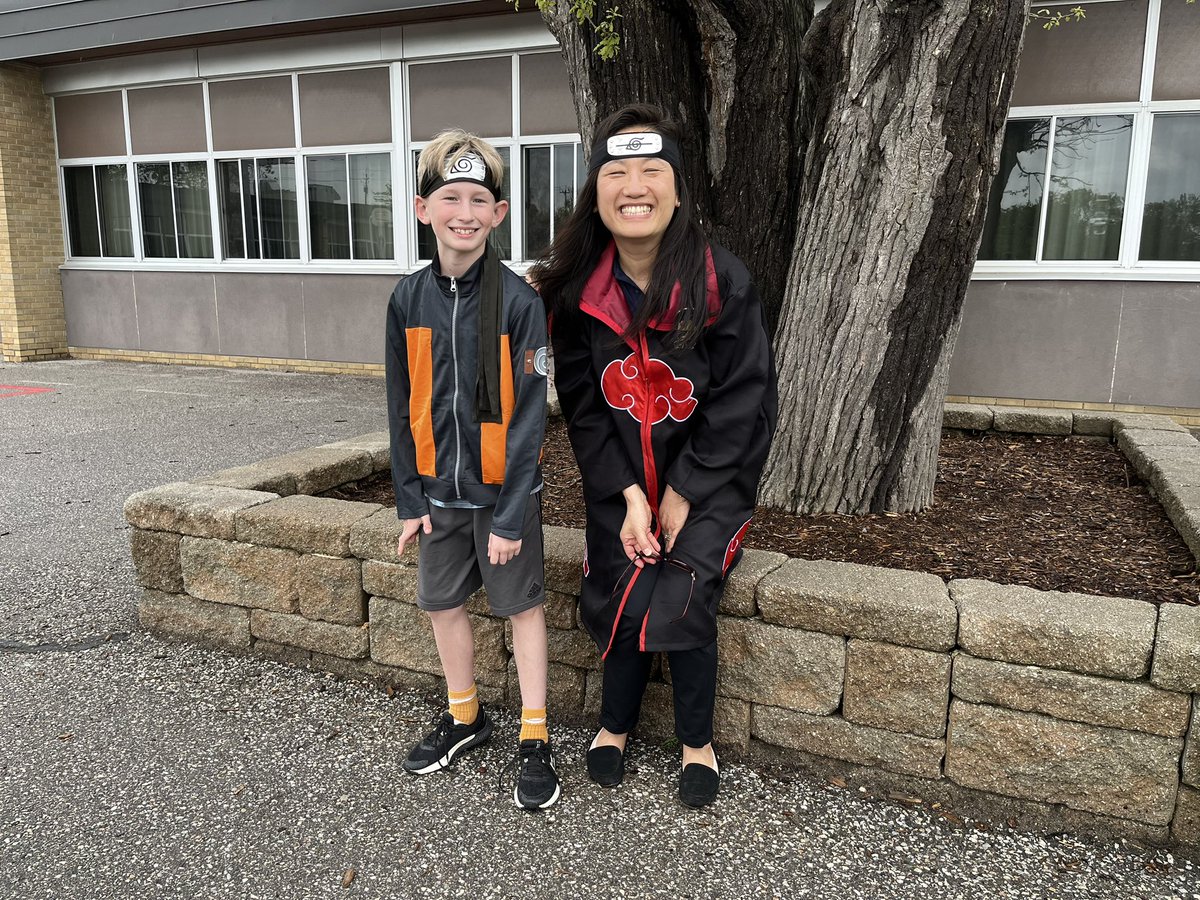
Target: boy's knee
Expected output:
[533,614]
[448,615]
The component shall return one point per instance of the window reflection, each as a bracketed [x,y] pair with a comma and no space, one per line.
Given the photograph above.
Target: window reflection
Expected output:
[1088,177]
[1171,218]
[1015,204]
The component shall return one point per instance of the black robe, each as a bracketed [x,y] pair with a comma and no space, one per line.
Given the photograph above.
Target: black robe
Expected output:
[700,421]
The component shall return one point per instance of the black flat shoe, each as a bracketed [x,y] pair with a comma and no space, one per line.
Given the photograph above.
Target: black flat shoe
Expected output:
[606,765]
[698,785]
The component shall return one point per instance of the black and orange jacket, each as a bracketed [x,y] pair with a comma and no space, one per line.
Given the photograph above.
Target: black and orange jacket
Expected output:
[700,421]
[439,450]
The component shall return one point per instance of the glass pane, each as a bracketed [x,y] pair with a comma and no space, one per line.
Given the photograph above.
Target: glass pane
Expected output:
[252,113]
[229,199]
[117,233]
[1087,187]
[192,215]
[250,208]
[371,205]
[90,125]
[167,119]
[564,183]
[349,107]
[501,236]
[1176,68]
[328,209]
[537,201]
[475,94]
[1095,60]
[158,214]
[276,184]
[1171,220]
[546,104]
[1015,203]
[82,230]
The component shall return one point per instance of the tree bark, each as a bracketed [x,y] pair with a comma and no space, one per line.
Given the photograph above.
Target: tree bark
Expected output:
[847,164]
[729,71]
[909,119]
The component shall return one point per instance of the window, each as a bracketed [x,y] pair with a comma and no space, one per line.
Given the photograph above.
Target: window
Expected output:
[300,167]
[552,177]
[97,200]
[501,236]
[257,199]
[1084,199]
[1171,216]
[173,202]
[350,206]
[1087,187]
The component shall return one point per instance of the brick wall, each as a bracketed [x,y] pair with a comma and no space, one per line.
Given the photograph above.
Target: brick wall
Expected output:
[32,321]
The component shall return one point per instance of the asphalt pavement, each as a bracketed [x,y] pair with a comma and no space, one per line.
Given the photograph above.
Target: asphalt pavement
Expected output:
[135,768]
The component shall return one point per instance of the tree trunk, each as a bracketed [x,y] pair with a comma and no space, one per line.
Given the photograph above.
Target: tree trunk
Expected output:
[910,114]
[729,71]
[847,164]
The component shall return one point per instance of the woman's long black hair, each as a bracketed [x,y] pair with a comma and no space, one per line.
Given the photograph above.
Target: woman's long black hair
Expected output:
[565,267]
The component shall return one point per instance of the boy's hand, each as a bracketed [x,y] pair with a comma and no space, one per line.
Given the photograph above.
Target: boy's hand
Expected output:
[637,536]
[409,532]
[501,550]
[672,514]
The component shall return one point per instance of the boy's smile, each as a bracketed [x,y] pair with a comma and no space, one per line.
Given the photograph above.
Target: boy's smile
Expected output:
[462,215]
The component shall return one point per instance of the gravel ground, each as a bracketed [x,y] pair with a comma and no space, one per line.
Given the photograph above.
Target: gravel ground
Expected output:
[135,768]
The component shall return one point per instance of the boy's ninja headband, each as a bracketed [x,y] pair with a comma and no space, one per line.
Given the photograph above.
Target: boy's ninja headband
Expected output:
[635,144]
[468,167]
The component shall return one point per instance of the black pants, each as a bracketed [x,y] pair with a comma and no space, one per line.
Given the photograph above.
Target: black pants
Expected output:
[627,670]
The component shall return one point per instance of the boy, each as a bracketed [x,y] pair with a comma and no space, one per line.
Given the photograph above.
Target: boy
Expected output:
[466,389]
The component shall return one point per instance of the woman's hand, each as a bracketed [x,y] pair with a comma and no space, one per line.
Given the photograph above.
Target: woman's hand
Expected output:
[672,515]
[637,534]
[501,550]
[409,532]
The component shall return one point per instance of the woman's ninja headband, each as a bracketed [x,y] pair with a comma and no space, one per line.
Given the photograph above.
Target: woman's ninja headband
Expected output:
[635,144]
[468,167]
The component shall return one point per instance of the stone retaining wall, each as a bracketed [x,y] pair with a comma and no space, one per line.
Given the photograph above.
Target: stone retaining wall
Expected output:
[1079,707]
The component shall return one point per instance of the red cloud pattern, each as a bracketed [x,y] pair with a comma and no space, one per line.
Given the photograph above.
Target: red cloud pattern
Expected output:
[659,393]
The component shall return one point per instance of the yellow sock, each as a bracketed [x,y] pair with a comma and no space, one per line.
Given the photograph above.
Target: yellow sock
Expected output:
[533,725]
[464,705]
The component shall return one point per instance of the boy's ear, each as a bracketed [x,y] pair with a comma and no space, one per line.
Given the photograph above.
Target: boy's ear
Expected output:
[422,209]
[501,212]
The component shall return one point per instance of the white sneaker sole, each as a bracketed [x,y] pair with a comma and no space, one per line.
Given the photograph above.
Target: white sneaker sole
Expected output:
[553,799]
[472,740]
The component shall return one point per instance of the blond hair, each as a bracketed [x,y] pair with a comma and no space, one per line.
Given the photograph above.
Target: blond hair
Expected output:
[451,145]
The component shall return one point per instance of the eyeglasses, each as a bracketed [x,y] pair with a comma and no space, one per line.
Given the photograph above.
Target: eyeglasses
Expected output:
[667,561]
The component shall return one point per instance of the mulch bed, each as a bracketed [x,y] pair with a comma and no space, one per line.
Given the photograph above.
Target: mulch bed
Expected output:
[1053,513]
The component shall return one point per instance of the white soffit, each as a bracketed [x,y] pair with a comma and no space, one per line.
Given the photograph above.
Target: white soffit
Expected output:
[457,37]
[307,51]
[514,31]
[146,68]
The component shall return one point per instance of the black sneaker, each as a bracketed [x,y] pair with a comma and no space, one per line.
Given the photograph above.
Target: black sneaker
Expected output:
[537,782]
[448,739]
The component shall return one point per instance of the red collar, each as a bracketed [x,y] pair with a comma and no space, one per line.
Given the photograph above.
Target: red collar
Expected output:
[602,297]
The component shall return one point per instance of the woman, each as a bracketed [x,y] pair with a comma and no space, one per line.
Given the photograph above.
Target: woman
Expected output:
[664,372]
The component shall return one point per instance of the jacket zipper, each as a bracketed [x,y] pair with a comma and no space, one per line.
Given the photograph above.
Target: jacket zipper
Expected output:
[454,354]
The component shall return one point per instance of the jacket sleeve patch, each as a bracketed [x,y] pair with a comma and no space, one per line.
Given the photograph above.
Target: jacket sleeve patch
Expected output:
[536,361]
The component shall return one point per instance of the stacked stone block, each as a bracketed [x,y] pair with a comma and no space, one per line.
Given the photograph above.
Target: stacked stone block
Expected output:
[1078,705]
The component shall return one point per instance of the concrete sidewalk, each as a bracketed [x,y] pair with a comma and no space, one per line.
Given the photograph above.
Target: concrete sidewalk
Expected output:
[134,768]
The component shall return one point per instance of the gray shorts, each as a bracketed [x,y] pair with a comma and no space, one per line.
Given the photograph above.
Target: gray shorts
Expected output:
[454,562]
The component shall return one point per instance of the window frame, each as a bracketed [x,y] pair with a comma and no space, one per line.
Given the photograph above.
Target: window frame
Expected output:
[1127,266]
[400,149]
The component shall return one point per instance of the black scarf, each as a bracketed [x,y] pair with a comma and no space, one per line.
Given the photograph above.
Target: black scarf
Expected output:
[487,385]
